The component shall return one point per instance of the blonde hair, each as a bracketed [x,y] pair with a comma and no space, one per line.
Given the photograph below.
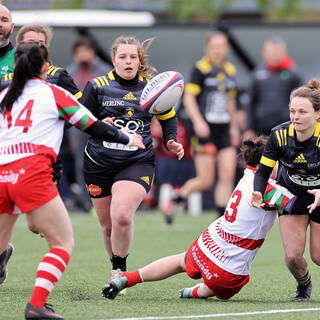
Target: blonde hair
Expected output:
[311,91]
[38,28]
[145,70]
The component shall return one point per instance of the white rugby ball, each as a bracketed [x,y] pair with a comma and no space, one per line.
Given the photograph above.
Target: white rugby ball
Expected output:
[162,92]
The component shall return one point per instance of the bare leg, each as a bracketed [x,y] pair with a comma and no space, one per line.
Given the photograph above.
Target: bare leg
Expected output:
[226,164]
[126,198]
[205,168]
[294,243]
[164,268]
[102,207]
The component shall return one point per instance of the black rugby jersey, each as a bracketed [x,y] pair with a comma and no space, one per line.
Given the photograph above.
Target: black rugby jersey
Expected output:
[212,85]
[112,96]
[55,75]
[299,162]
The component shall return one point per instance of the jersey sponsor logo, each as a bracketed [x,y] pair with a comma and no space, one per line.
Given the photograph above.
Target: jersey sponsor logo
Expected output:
[94,190]
[131,126]
[130,96]
[113,103]
[300,159]
[119,146]
[201,266]
[146,180]
[10,177]
[130,111]
[305,180]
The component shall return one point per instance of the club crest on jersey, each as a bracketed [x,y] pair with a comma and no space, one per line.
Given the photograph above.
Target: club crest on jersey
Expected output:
[130,111]
[94,190]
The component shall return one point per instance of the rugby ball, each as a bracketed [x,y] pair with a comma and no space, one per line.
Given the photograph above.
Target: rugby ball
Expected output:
[162,92]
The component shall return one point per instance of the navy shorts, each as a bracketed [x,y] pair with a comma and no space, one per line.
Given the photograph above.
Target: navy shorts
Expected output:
[99,180]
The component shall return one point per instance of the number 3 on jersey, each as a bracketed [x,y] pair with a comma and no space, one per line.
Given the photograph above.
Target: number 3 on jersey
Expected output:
[24,117]
[231,213]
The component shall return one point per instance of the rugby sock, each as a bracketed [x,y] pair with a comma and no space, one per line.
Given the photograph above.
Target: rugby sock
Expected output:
[133,278]
[195,292]
[49,272]
[305,280]
[119,262]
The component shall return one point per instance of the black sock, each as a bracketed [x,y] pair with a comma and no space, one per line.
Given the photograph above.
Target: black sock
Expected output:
[305,280]
[3,254]
[119,262]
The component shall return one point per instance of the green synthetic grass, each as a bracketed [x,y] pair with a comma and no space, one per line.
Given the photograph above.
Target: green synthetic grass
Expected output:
[77,295]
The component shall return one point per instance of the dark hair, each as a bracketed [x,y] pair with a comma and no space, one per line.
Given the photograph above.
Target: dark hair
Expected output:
[29,59]
[311,91]
[82,41]
[252,150]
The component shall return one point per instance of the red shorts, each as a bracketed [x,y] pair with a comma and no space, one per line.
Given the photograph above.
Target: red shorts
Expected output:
[26,184]
[222,283]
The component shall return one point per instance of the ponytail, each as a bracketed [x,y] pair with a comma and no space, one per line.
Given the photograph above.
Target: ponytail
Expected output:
[29,59]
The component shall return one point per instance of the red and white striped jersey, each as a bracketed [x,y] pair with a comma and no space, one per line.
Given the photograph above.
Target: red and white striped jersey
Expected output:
[233,240]
[35,122]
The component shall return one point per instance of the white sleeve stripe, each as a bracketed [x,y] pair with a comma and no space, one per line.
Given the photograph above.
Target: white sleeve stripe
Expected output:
[48,267]
[79,114]
[44,283]
[52,255]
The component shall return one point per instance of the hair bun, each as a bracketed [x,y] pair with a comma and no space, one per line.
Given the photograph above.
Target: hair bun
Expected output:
[314,84]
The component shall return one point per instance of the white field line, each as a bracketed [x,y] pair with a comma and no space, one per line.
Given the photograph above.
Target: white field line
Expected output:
[221,315]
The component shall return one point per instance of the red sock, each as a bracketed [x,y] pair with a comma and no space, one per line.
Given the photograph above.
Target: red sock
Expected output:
[49,272]
[133,278]
[195,292]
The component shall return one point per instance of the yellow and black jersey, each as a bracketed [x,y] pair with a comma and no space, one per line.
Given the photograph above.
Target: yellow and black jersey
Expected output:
[55,75]
[111,96]
[213,85]
[299,162]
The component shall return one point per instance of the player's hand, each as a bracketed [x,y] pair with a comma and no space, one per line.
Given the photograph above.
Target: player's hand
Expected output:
[136,141]
[316,203]
[256,200]
[109,120]
[201,129]
[176,148]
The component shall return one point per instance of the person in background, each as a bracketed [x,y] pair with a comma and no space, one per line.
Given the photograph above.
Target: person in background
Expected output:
[223,254]
[118,178]
[32,116]
[271,85]
[6,48]
[295,146]
[209,99]
[86,66]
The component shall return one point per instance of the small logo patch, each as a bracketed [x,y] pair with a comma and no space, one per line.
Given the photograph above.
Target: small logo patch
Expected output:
[146,180]
[129,96]
[130,111]
[94,190]
[300,159]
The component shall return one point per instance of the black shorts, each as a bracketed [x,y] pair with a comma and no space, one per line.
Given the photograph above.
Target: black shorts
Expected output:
[99,180]
[219,139]
[57,172]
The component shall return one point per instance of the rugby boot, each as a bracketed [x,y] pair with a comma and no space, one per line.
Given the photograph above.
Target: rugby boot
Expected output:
[4,258]
[114,287]
[46,312]
[303,293]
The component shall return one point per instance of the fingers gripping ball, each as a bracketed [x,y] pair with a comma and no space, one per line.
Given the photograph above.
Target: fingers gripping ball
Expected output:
[162,92]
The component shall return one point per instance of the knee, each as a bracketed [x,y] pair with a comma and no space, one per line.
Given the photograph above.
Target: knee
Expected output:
[122,217]
[292,260]
[106,230]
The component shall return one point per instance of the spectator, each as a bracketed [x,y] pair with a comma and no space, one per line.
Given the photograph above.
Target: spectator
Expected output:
[272,82]
[85,67]
[6,48]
